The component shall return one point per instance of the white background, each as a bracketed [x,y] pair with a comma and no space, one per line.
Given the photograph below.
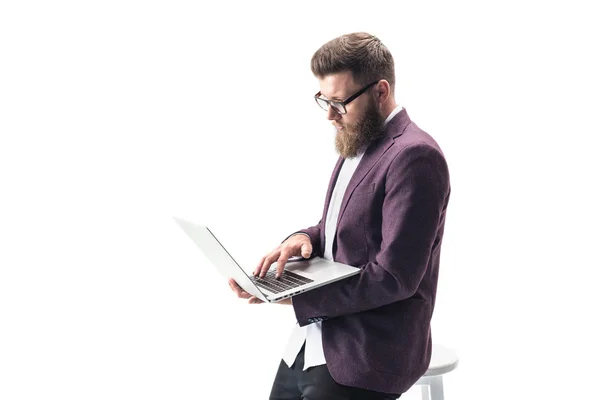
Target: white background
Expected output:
[116,115]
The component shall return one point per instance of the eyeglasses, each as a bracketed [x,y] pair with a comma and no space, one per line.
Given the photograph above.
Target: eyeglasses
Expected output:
[339,106]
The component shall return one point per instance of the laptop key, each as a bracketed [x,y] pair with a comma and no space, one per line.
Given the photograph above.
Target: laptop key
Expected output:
[288,280]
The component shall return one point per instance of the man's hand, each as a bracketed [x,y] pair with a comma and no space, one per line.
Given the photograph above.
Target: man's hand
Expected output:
[242,294]
[295,245]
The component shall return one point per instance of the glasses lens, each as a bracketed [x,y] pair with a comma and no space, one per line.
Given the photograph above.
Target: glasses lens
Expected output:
[338,107]
[325,104]
[322,103]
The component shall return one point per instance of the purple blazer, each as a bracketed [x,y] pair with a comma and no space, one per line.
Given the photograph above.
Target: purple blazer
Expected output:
[376,324]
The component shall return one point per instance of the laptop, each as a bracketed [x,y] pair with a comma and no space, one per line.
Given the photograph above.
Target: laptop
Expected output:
[299,275]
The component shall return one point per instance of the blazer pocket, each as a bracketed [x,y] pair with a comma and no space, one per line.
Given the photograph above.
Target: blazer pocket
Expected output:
[364,189]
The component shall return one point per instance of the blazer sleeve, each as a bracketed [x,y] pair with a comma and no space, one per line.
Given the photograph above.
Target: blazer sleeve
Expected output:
[314,233]
[417,189]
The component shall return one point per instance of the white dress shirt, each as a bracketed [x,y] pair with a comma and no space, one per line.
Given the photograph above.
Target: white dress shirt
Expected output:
[313,351]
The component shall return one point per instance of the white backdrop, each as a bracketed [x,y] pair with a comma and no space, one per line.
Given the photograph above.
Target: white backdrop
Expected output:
[114,116]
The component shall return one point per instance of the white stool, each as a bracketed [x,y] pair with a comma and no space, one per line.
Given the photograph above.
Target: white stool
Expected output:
[443,360]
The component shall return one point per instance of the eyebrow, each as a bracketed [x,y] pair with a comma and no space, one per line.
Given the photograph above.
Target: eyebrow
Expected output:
[334,98]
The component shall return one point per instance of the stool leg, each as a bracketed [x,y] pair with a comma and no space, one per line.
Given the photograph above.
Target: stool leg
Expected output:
[425,392]
[437,388]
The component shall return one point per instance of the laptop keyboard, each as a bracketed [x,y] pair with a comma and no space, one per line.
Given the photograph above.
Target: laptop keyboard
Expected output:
[288,280]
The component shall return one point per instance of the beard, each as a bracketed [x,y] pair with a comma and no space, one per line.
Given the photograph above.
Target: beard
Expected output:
[355,138]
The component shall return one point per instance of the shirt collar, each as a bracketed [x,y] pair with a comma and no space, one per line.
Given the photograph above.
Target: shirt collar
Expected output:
[392,114]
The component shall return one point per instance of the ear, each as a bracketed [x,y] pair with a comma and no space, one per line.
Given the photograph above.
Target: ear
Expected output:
[382,91]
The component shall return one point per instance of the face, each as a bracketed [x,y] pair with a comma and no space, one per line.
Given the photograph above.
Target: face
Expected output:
[362,122]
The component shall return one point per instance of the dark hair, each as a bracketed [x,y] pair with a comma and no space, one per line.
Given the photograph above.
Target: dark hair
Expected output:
[360,53]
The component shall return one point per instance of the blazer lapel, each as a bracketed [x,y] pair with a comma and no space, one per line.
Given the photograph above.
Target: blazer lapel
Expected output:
[332,181]
[393,129]
[372,155]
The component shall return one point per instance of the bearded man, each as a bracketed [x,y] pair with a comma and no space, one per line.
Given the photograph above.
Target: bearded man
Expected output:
[367,336]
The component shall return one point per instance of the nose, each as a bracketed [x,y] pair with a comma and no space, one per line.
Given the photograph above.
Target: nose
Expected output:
[333,115]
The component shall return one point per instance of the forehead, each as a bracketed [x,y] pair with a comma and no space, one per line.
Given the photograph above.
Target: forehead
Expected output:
[337,86]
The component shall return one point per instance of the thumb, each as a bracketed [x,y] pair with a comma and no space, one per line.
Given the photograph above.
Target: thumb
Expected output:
[306,250]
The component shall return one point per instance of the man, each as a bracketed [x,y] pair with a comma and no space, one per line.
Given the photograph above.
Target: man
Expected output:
[367,336]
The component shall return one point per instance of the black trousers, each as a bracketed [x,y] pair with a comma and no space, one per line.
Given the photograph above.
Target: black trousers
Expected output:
[316,384]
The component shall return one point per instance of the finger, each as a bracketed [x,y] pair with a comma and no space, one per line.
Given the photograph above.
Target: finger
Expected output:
[241,293]
[265,268]
[244,295]
[281,263]
[233,285]
[306,250]
[254,300]
[268,261]
[259,266]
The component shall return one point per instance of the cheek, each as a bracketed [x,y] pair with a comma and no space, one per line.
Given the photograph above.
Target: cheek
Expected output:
[349,120]
[352,118]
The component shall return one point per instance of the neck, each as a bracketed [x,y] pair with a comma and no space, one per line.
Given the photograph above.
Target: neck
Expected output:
[388,107]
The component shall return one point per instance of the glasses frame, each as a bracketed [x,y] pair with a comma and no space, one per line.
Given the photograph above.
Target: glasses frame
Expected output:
[342,104]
